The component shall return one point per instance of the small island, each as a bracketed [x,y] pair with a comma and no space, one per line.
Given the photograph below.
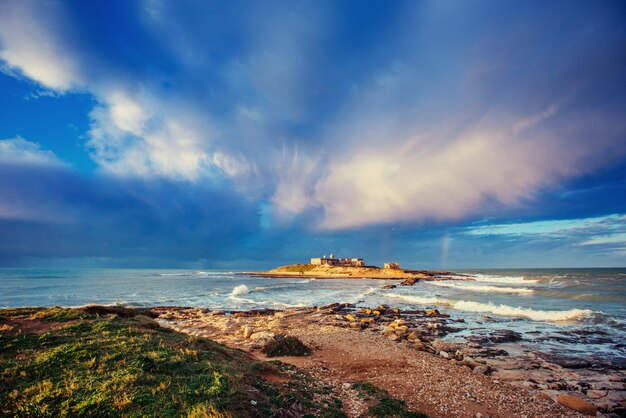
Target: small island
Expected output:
[354,268]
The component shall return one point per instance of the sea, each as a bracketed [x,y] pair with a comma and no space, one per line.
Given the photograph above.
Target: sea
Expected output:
[568,312]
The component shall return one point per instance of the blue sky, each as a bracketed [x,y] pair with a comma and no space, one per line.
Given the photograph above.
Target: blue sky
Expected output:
[197,134]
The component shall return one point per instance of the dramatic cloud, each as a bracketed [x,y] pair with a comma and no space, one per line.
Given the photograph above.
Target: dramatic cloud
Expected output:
[319,117]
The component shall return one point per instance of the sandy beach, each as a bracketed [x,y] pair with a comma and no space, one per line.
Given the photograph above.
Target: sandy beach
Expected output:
[401,352]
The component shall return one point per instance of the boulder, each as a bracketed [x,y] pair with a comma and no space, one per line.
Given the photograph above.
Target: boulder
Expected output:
[393,337]
[247,331]
[577,404]
[388,286]
[261,335]
[444,354]
[432,312]
[350,318]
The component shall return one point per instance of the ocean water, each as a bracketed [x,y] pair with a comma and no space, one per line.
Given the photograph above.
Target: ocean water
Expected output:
[576,312]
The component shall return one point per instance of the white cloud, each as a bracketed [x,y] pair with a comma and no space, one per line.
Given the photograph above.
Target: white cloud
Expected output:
[32,47]
[19,150]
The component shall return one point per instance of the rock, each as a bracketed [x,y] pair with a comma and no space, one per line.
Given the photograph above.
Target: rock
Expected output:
[482,369]
[409,281]
[261,335]
[432,312]
[419,345]
[393,337]
[413,336]
[596,394]
[376,312]
[367,320]
[545,396]
[247,331]
[609,386]
[402,330]
[444,354]
[473,344]
[440,345]
[383,307]
[388,286]
[349,317]
[577,404]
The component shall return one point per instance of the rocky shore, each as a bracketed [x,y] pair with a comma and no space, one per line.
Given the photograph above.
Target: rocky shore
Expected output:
[403,352]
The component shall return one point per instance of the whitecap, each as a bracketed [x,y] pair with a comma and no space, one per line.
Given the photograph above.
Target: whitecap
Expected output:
[535,315]
[421,300]
[481,288]
[242,289]
[503,279]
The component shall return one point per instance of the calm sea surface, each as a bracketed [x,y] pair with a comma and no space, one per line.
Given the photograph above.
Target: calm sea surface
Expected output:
[568,311]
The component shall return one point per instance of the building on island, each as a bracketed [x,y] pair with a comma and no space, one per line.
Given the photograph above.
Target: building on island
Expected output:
[392,266]
[338,262]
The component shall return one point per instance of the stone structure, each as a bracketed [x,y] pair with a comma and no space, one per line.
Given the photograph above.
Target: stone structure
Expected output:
[392,266]
[338,262]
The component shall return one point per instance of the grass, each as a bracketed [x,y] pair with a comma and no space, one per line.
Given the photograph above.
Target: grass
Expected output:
[94,362]
[297,268]
[285,346]
[384,406]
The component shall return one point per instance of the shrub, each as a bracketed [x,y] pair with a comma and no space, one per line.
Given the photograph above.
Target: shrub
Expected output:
[283,345]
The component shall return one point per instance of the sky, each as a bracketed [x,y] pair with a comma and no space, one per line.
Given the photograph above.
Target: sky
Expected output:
[249,134]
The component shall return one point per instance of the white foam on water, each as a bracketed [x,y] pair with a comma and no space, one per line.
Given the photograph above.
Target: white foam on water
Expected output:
[421,300]
[503,279]
[242,289]
[505,310]
[301,281]
[482,288]
[535,315]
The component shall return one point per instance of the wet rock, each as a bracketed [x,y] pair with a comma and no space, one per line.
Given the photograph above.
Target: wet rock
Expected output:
[577,404]
[388,286]
[432,312]
[410,281]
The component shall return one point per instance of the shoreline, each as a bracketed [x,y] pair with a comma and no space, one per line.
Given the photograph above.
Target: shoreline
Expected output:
[400,352]
[339,333]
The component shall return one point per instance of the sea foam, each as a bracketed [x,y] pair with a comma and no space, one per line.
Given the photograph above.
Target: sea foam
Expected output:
[503,279]
[481,288]
[242,289]
[504,310]
[535,315]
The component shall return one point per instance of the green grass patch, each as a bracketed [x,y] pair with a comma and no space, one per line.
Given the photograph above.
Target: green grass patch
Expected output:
[383,406]
[120,363]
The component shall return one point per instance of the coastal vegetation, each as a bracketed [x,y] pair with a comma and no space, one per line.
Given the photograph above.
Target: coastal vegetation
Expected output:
[116,361]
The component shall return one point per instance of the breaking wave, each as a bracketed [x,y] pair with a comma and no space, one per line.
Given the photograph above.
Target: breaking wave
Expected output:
[535,315]
[242,289]
[421,300]
[505,310]
[486,288]
[503,279]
